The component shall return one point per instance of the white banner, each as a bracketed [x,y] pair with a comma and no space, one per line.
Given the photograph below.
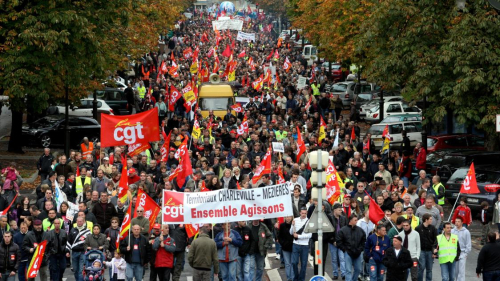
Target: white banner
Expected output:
[278,147]
[245,36]
[226,205]
[302,82]
[227,24]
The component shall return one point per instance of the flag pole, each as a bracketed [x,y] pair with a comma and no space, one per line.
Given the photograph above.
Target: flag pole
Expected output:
[454,205]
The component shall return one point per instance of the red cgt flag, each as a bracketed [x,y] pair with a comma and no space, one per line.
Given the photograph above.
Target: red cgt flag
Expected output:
[151,209]
[301,146]
[469,186]
[36,260]
[353,134]
[375,212]
[264,167]
[123,184]
[192,230]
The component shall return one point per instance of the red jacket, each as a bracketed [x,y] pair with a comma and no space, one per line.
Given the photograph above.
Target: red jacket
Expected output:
[165,258]
[464,212]
[421,159]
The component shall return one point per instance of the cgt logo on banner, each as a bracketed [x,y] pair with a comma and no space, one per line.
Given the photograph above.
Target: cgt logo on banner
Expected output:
[130,129]
[227,205]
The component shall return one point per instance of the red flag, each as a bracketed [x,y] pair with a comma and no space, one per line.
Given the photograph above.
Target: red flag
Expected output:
[124,229]
[353,134]
[78,168]
[238,185]
[216,65]
[367,146]
[242,54]
[123,184]
[174,96]
[186,170]
[151,209]
[227,52]
[287,65]
[332,183]
[243,128]
[237,107]
[308,104]
[192,230]
[211,52]
[386,131]
[270,55]
[264,167]
[36,260]
[301,146]
[281,178]
[165,148]
[311,80]
[469,186]
[276,55]
[204,187]
[375,212]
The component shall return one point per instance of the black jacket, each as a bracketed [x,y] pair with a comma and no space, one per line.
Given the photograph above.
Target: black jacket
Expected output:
[29,242]
[76,239]
[397,265]
[104,215]
[52,242]
[351,239]
[180,237]
[64,169]
[285,238]
[10,255]
[428,241]
[342,221]
[144,249]
[246,236]
[489,259]
[44,164]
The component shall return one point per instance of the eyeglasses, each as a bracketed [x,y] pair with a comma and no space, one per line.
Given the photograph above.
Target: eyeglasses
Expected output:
[140,211]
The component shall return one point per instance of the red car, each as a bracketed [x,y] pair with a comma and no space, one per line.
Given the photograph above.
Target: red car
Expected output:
[462,141]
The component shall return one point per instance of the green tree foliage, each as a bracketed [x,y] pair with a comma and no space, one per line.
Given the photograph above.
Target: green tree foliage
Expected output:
[432,49]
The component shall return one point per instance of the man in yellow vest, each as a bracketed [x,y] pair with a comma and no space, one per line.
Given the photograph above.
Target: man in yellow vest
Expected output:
[438,188]
[448,252]
[79,183]
[414,220]
[87,147]
[142,90]
[315,89]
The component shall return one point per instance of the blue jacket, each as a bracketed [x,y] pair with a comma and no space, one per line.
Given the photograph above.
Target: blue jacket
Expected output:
[371,250]
[233,246]
[18,239]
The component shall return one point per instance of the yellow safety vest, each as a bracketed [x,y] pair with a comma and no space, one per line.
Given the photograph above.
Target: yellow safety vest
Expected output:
[415,221]
[89,225]
[315,89]
[46,224]
[280,135]
[447,248]
[436,190]
[142,91]
[79,186]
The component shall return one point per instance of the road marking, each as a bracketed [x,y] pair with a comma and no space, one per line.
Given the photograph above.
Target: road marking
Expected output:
[327,277]
[189,278]
[268,265]
[273,274]
[272,255]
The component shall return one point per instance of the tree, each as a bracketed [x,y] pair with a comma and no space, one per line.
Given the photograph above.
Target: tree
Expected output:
[433,50]
[49,48]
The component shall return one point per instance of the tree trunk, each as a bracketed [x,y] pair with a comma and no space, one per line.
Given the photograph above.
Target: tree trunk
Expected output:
[15,142]
[491,140]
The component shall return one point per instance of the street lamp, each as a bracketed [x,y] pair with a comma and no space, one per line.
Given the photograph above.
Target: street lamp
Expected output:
[319,159]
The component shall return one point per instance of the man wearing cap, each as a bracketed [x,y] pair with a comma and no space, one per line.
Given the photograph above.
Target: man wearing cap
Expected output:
[132,176]
[397,260]
[351,240]
[162,261]
[346,205]
[339,221]
[31,241]
[155,233]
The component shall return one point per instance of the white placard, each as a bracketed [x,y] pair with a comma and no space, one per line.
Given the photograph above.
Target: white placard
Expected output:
[245,36]
[278,147]
[302,82]
[227,24]
[227,205]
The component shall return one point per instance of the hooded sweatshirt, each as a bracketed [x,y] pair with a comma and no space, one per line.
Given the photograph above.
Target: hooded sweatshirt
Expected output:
[463,239]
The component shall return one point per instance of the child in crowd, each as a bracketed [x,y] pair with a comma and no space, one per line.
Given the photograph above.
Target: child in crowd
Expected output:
[117,267]
[485,221]
[463,211]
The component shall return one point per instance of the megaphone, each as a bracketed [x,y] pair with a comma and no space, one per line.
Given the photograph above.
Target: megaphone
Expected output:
[214,78]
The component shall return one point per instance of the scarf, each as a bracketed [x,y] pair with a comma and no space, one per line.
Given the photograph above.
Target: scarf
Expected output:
[405,242]
[226,182]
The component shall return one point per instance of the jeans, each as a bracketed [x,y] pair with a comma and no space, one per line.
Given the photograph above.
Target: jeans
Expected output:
[491,275]
[260,263]
[228,270]
[288,264]
[57,266]
[23,266]
[8,278]
[448,271]
[350,274]
[246,268]
[405,181]
[77,262]
[460,268]
[134,270]
[377,270]
[337,255]
[425,263]
[299,252]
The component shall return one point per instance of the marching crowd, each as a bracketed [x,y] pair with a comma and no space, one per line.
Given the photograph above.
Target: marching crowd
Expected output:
[403,244]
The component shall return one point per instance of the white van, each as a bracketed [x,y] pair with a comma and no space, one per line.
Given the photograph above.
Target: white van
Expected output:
[413,130]
[310,53]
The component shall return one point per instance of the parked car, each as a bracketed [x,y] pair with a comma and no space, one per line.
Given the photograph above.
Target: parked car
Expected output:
[402,117]
[465,141]
[347,90]
[455,160]
[85,108]
[391,108]
[49,131]
[433,161]
[336,70]
[115,98]
[375,102]
[413,129]
[488,183]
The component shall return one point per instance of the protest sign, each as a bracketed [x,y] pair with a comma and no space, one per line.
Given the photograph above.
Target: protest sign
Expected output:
[301,83]
[226,205]
[227,24]
[245,36]
[278,147]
